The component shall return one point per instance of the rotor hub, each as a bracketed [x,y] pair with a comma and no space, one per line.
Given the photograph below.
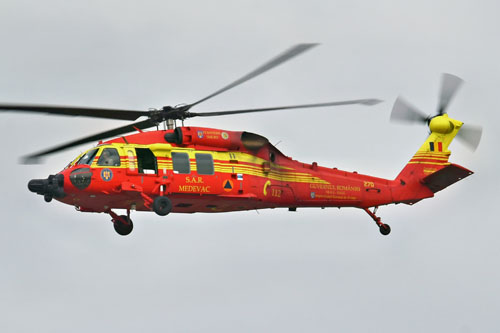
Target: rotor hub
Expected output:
[441,124]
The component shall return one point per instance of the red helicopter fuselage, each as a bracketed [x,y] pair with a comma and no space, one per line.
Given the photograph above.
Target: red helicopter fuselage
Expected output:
[210,170]
[213,170]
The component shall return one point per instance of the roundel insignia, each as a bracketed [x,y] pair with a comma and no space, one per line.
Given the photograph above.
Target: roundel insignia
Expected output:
[106,174]
[227,185]
[224,135]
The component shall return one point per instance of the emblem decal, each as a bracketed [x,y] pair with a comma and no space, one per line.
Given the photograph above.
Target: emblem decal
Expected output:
[106,174]
[228,185]
[264,190]
[224,135]
[200,134]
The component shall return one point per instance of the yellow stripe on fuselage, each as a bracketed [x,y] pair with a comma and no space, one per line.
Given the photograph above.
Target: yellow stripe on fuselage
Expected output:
[224,162]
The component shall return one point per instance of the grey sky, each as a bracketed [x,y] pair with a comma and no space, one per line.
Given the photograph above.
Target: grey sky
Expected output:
[313,270]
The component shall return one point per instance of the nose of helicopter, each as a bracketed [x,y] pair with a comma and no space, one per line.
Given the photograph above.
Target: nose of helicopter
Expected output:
[51,187]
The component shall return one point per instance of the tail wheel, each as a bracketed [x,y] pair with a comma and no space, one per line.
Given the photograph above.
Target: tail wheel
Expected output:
[385,229]
[123,228]
[162,205]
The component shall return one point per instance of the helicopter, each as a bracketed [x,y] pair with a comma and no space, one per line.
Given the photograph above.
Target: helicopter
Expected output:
[185,169]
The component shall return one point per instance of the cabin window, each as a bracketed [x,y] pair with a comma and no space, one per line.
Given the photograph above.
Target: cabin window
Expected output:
[109,157]
[88,157]
[205,164]
[146,161]
[180,162]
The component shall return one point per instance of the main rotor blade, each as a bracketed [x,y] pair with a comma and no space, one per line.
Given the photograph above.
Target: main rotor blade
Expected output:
[75,111]
[449,86]
[35,158]
[223,113]
[402,111]
[470,135]
[287,55]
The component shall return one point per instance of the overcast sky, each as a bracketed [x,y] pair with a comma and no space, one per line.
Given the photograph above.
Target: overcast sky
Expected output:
[273,271]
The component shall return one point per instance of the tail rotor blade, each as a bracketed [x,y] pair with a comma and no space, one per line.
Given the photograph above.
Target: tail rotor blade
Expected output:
[470,135]
[402,111]
[449,86]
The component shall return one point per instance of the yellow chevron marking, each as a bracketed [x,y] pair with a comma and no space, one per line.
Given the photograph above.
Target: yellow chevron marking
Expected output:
[429,158]
[430,163]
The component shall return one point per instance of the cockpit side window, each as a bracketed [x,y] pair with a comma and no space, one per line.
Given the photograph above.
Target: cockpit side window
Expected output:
[88,157]
[109,157]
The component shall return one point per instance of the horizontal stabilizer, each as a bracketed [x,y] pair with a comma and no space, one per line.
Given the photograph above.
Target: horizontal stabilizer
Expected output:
[443,178]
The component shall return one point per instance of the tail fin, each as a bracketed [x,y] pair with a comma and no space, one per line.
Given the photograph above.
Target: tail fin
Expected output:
[429,170]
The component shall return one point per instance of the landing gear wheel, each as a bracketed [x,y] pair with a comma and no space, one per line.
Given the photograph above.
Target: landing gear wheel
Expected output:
[162,206]
[122,228]
[385,229]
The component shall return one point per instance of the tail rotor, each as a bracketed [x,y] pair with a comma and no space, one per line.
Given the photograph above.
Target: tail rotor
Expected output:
[404,112]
